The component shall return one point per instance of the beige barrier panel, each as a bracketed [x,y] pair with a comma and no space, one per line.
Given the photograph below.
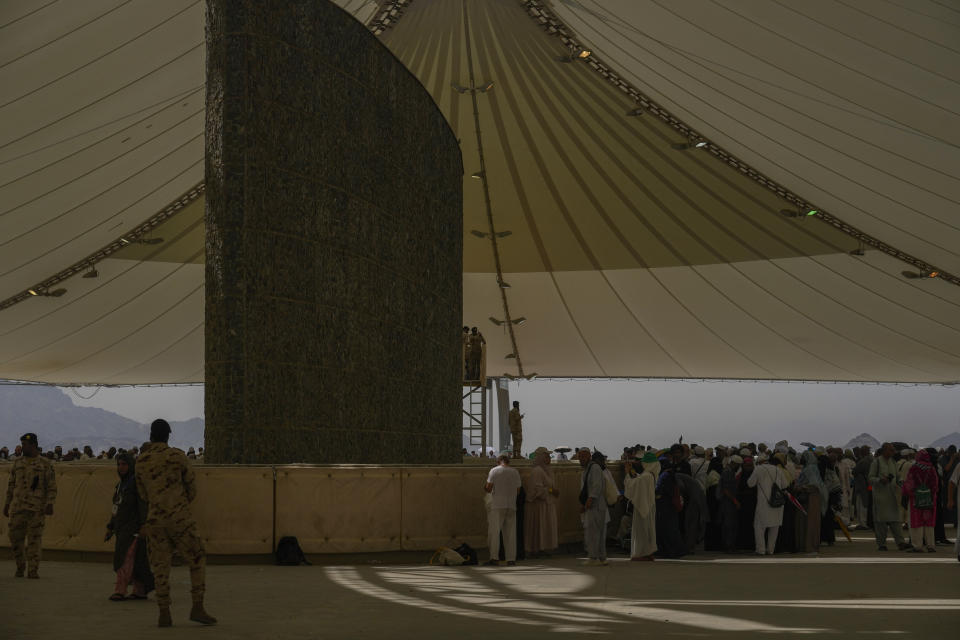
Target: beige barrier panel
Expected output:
[567,477]
[329,509]
[443,506]
[340,509]
[81,511]
[83,507]
[234,509]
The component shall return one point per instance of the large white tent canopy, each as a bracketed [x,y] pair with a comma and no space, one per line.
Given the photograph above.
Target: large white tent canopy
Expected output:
[626,255]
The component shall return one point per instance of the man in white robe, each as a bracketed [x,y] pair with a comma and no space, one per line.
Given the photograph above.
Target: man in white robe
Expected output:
[845,471]
[503,484]
[640,490]
[766,519]
[593,509]
[903,467]
[699,465]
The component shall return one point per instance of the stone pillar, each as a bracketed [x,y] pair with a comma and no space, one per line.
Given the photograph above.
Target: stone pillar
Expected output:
[334,245]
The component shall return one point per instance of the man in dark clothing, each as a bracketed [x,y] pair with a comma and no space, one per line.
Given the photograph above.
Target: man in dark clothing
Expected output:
[729,504]
[670,543]
[747,496]
[679,458]
[693,518]
[861,496]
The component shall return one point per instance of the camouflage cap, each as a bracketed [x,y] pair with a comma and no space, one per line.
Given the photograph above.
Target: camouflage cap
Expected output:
[29,437]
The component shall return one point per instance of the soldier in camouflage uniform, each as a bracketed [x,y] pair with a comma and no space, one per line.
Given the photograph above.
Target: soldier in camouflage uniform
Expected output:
[165,480]
[31,492]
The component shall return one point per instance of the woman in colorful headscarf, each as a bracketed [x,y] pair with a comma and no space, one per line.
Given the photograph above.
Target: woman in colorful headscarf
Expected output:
[130,550]
[922,485]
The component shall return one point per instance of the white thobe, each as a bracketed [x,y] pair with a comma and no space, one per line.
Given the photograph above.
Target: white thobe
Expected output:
[641,492]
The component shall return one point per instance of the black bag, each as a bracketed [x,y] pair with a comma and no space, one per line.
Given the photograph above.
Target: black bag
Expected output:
[586,481]
[469,554]
[776,499]
[289,552]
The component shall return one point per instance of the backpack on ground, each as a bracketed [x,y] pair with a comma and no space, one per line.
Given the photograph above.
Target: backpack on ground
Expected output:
[923,497]
[447,557]
[469,554]
[289,553]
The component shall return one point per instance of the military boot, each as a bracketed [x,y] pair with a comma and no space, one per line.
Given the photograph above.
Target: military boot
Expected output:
[197,614]
[32,573]
[19,573]
[165,620]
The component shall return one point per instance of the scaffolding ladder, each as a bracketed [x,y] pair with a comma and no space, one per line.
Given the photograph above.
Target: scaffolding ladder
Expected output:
[475,414]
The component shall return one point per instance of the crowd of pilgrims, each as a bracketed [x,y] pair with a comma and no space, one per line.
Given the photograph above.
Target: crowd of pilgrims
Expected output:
[739,499]
[86,454]
[753,498]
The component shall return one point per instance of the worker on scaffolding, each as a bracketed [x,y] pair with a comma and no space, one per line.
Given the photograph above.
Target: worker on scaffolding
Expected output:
[476,342]
[516,428]
[465,337]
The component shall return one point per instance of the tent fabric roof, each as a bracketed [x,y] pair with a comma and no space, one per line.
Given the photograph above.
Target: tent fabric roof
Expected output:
[626,257]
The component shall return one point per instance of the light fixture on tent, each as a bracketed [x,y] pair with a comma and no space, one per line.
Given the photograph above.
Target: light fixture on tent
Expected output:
[581,54]
[635,112]
[503,285]
[683,146]
[124,241]
[802,212]
[486,234]
[483,88]
[913,275]
[478,175]
[509,355]
[516,321]
[93,273]
[859,251]
[56,293]
[529,376]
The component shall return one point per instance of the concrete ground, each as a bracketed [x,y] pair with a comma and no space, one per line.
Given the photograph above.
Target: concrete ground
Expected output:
[847,590]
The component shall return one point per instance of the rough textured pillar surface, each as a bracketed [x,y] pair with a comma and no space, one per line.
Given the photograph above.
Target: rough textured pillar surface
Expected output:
[334,245]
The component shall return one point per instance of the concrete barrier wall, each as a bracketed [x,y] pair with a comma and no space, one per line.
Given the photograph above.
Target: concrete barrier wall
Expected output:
[330,509]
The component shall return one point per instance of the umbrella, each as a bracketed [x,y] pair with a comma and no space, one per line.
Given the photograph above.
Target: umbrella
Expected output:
[843,527]
[795,502]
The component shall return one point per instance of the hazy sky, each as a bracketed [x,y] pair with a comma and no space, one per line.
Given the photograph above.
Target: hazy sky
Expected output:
[143,404]
[611,414]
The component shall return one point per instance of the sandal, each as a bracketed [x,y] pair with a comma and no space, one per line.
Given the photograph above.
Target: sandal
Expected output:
[117,597]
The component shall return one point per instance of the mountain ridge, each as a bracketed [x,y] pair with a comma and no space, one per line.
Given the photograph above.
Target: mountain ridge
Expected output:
[51,414]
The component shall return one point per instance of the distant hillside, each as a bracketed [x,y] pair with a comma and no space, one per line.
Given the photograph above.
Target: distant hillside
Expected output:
[863,439]
[946,441]
[49,412]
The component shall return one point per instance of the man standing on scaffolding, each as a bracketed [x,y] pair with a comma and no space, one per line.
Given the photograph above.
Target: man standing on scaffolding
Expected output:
[476,342]
[516,428]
